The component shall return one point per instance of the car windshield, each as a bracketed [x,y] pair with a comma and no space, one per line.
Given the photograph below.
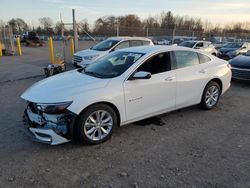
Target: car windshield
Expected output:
[233,45]
[105,45]
[112,65]
[187,44]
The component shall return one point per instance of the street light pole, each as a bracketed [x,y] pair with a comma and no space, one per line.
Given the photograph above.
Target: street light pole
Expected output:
[75,31]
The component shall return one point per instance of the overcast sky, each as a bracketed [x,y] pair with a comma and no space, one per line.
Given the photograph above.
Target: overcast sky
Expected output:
[216,11]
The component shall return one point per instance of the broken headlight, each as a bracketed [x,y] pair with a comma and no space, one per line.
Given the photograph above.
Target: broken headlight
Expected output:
[55,108]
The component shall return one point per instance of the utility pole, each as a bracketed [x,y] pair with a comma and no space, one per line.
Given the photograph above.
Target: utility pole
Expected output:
[63,39]
[173,34]
[75,31]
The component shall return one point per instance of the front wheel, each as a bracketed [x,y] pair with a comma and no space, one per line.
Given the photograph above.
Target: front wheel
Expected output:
[96,123]
[211,96]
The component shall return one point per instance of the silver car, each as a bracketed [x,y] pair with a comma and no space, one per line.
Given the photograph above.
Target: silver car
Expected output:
[86,57]
[201,45]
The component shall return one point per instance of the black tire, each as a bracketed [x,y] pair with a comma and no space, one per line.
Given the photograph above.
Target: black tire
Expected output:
[203,103]
[80,133]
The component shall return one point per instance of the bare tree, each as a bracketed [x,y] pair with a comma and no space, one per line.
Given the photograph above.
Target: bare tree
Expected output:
[84,26]
[58,28]
[18,25]
[2,23]
[47,24]
[167,20]
[151,22]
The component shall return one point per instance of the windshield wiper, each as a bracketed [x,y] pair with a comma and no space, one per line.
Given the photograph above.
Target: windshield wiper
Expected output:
[95,74]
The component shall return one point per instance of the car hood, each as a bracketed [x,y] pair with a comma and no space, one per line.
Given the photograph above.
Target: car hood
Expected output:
[227,49]
[62,87]
[90,52]
[241,61]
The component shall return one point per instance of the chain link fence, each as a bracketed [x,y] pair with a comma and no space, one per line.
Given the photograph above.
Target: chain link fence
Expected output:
[172,35]
[7,40]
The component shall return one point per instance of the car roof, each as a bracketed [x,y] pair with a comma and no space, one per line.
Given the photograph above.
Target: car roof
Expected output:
[156,48]
[128,38]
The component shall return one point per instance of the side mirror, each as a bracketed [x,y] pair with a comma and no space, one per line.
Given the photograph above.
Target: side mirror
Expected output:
[196,47]
[140,75]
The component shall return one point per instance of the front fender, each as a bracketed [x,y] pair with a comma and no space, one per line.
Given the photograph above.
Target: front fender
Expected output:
[82,101]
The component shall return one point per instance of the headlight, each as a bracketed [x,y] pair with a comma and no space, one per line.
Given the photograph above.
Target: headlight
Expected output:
[233,53]
[89,58]
[56,108]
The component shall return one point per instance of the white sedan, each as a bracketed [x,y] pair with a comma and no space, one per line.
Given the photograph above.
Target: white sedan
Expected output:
[123,87]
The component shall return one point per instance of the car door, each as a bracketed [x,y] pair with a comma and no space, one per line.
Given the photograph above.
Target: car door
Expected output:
[191,78]
[145,97]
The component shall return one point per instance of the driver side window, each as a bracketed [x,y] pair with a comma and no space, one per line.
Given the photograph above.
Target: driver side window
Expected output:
[122,45]
[200,45]
[157,64]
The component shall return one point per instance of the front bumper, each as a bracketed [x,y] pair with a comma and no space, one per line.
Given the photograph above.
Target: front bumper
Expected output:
[40,130]
[224,56]
[240,74]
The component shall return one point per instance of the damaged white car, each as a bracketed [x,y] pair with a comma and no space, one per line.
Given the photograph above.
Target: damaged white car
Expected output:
[123,87]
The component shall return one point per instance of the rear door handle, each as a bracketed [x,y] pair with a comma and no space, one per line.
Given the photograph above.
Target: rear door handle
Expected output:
[202,71]
[171,78]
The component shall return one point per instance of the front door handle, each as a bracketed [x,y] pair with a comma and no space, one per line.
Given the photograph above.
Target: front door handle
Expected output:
[202,71]
[171,78]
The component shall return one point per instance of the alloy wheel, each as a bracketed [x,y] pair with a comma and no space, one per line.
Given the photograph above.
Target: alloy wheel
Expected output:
[212,96]
[98,125]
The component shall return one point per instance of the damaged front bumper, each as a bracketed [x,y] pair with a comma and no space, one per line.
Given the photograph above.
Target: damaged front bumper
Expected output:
[50,129]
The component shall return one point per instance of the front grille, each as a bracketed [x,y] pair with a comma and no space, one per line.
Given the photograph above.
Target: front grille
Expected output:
[77,59]
[241,74]
[33,107]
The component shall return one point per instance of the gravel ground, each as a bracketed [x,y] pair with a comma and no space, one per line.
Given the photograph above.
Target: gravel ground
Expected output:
[186,148]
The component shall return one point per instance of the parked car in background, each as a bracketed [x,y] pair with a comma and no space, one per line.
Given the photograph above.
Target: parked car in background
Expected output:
[200,45]
[232,49]
[31,38]
[178,41]
[218,45]
[241,67]
[44,38]
[86,57]
[162,42]
[15,38]
[122,87]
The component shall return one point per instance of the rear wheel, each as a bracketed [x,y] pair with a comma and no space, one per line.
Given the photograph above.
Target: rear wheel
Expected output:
[211,96]
[96,124]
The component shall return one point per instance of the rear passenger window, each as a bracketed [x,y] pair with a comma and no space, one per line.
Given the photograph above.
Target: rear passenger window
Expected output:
[157,64]
[146,43]
[186,59]
[136,43]
[122,45]
[206,44]
[203,58]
